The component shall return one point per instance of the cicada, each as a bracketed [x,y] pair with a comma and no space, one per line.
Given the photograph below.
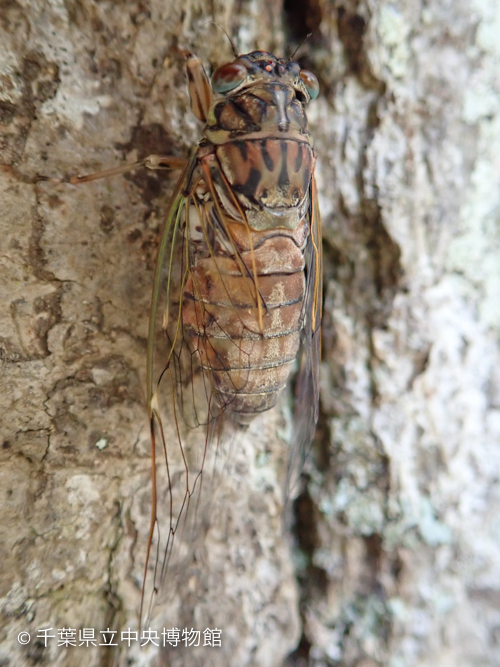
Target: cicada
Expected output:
[237,288]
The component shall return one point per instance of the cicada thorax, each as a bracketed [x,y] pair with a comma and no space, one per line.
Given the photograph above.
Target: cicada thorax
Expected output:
[265,153]
[243,300]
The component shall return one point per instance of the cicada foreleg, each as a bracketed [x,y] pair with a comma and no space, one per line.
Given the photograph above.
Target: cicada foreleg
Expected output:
[200,90]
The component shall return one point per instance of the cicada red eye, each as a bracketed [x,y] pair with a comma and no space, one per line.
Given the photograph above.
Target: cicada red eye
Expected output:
[226,77]
[310,82]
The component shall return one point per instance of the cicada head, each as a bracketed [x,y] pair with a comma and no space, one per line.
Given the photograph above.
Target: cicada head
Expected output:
[260,67]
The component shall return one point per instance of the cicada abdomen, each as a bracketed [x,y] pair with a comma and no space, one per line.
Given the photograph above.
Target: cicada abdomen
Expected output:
[238,283]
[247,332]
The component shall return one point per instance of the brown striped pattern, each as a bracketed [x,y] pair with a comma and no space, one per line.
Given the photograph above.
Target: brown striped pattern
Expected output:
[274,173]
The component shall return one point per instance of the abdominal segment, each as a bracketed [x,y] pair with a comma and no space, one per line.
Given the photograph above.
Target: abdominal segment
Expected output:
[242,315]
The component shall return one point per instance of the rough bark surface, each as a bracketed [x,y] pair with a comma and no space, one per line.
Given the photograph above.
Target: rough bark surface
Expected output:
[395,552]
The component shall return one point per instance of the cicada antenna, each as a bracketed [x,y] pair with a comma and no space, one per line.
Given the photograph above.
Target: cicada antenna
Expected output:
[233,47]
[301,44]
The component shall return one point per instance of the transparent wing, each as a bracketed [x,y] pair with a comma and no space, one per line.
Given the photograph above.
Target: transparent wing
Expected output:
[183,416]
[307,383]
[191,428]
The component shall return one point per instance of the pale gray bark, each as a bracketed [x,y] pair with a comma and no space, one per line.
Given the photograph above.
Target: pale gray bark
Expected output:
[397,536]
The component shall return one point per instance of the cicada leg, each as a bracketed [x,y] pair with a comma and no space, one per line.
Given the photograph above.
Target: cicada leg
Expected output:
[200,90]
[150,162]
[200,93]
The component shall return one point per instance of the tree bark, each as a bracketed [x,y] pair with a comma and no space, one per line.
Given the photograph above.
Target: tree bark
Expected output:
[393,558]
